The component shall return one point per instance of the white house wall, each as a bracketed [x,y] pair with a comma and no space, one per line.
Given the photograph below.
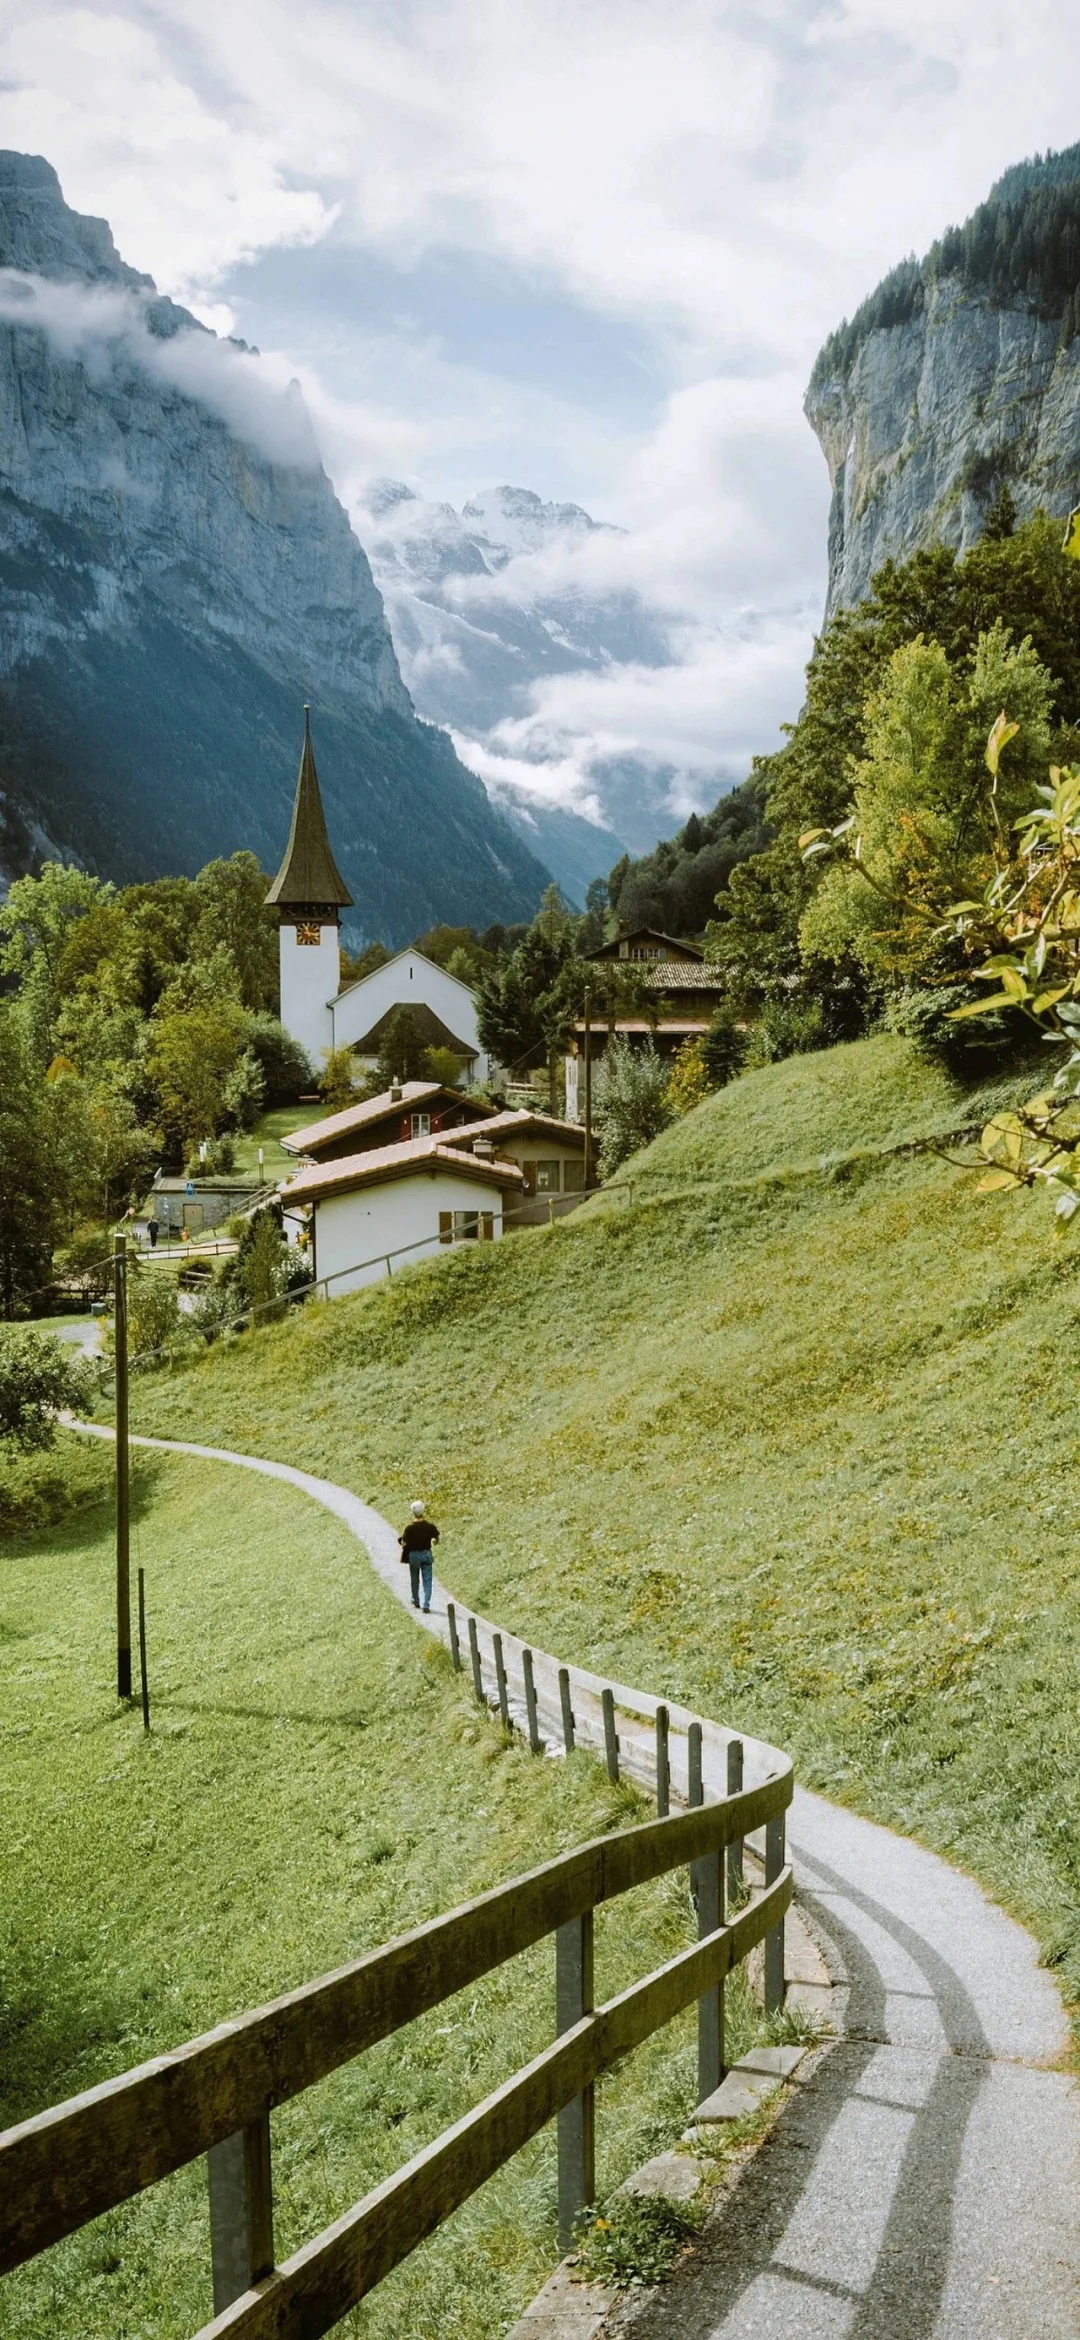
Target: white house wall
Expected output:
[354,1229]
[410,980]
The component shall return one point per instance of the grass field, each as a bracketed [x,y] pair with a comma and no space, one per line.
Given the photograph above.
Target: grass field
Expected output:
[268,1131]
[793,1437]
[316,1780]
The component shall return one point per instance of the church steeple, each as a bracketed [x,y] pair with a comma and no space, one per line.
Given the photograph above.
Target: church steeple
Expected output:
[309,880]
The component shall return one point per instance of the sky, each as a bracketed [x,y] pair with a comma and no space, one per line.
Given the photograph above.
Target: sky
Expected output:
[589,247]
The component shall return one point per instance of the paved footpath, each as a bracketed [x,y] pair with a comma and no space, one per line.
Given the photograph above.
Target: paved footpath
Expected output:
[924,2182]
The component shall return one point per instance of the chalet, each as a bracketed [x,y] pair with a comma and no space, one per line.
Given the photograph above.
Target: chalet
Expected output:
[411,1109]
[376,1211]
[670,972]
[550,1155]
[309,894]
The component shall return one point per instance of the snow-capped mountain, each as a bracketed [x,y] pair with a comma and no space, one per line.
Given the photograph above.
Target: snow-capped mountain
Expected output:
[484,608]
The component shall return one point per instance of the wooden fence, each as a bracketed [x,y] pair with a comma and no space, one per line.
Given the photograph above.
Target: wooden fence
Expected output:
[215,2095]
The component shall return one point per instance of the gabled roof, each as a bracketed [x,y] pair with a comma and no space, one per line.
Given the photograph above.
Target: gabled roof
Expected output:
[384,1163]
[410,952]
[520,1123]
[370,1110]
[309,873]
[639,934]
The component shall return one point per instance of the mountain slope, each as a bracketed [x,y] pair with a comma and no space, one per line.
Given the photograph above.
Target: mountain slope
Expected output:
[484,608]
[176,577]
[959,374]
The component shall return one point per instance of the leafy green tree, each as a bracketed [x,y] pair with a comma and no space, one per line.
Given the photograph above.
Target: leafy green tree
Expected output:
[285,1067]
[39,1377]
[243,1092]
[402,1049]
[337,1081]
[232,914]
[199,1033]
[36,923]
[47,1163]
[689,1081]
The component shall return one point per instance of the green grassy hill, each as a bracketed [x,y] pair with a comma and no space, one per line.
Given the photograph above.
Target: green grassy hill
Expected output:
[316,1780]
[790,1434]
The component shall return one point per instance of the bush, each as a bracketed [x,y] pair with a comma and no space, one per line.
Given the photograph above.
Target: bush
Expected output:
[968,1050]
[630,1100]
[39,1489]
[244,1093]
[725,1045]
[636,2239]
[156,1325]
[689,1083]
[787,1027]
[38,1377]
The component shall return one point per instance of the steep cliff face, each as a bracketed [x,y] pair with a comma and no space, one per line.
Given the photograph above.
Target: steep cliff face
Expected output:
[176,577]
[961,373]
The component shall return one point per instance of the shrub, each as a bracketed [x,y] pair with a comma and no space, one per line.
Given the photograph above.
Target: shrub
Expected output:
[630,1100]
[286,1069]
[689,1083]
[636,2239]
[724,1047]
[244,1093]
[38,1377]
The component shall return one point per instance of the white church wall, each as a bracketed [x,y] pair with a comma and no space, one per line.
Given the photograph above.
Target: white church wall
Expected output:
[410,980]
[310,974]
[355,1232]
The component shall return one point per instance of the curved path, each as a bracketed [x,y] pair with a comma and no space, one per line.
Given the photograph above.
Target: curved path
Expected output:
[924,2183]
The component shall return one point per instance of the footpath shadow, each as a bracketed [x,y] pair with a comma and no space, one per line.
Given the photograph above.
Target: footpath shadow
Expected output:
[842,2224]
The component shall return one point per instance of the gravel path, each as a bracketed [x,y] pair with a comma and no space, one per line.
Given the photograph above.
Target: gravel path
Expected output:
[924,2182]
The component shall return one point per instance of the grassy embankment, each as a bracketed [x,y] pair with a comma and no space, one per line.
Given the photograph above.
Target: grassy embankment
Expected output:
[792,1438]
[316,1780]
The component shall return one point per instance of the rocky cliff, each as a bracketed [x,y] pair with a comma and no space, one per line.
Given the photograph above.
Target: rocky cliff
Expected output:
[960,374]
[176,577]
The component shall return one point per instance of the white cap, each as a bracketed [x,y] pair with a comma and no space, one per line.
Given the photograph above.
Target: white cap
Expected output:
[417,1510]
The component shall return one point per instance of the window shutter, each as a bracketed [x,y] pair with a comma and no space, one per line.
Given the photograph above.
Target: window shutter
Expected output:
[487,1227]
[446,1226]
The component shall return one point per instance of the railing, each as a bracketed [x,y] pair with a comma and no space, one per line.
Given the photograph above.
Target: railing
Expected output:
[216,2094]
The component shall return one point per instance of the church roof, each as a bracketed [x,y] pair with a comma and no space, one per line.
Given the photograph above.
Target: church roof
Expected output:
[309,873]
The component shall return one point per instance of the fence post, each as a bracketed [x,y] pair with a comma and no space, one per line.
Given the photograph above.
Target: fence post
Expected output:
[707,1880]
[143,1683]
[663,1766]
[735,1848]
[567,1710]
[576,2121]
[474,1653]
[455,1645]
[241,2211]
[774,1941]
[611,1736]
[500,1679]
[536,1744]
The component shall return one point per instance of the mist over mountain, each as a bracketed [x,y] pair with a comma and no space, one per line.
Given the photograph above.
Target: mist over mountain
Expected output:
[489,602]
[176,577]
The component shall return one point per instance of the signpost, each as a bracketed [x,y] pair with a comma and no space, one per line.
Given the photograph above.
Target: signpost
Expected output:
[123,1485]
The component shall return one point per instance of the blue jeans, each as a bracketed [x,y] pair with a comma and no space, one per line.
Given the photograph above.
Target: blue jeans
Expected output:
[420,1568]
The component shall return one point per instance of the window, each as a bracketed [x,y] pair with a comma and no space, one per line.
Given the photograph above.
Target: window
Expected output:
[646,951]
[420,1125]
[573,1177]
[547,1178]
[466,1227]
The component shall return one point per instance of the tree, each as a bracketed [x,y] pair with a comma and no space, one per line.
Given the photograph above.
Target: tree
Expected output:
[285,1067]
[630,1100]
[402,1048]
[232,914]
[36,923]
[38,1377]
[198,1037]
[518,1017]
[243,1092]
[337,1081]
[689,1081]
[44,1165]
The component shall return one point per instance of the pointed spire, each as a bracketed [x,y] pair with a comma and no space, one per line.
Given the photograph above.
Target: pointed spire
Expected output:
[309,877]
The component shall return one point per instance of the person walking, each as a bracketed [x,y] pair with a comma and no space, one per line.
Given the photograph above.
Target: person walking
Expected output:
[416,1541]
[152,1231]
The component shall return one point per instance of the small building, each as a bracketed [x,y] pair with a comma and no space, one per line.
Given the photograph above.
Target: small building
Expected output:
[194,1205]
[410,1109]
[675,973]
[550,1155]
[443,1009]
[374,1212]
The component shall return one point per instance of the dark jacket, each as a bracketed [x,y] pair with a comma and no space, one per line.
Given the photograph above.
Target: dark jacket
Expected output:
[418,1538]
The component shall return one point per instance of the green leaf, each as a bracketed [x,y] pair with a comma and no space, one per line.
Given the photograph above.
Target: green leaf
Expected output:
[981,1007]
[996,1181]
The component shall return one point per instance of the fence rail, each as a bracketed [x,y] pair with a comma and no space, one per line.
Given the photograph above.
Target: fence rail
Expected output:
[214,2095]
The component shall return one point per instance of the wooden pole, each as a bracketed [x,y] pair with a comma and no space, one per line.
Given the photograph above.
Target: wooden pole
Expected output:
[123,1479]
[536,1743]
[588,1097]
[455,1645]
[774,1942]
[611,1736]
[707,1877]
[735,1850]
[663,1766]
[500,1682]
[474,1653]
[576,2122]
[567,1710]
[142,1652]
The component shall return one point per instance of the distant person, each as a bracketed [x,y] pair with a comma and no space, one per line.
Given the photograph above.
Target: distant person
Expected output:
[152,1231]
[416,1541]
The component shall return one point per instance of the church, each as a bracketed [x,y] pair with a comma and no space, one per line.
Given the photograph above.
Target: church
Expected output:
[309,894]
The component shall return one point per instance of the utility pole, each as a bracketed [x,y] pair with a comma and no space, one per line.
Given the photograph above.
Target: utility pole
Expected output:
[588,1097]
[123,1486]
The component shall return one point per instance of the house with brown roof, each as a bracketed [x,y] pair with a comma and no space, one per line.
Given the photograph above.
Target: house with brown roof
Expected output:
[374,1212]
[550,1155]
[677,994]
[409,1109]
